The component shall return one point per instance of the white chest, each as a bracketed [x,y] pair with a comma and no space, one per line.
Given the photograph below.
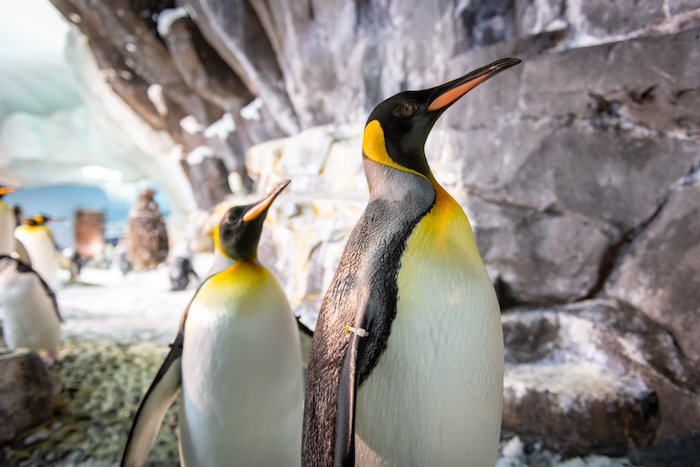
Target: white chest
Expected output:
[30,320]
[435,395]
[242,382]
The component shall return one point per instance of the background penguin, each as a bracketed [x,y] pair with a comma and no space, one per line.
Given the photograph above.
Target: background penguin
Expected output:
[411,317]
[7,224]
[37,239]
[180,274]
[31,317]
[18,247]
[148,234]
[237,359]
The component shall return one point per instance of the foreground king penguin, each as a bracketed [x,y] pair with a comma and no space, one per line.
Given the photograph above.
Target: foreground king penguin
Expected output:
[406,364]
[236,359]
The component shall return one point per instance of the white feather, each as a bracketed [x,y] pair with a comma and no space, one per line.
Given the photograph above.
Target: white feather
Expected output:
[30,320]
[7,227]
[242,394]
[435,395]
[41,250]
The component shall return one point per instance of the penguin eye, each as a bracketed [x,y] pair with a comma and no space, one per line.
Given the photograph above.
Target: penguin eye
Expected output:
[406,109]
[234,214]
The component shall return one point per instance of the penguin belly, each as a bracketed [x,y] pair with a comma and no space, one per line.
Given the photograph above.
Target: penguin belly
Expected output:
[242,396]
[7,228]
[435,395]
[41,250]
[30,319]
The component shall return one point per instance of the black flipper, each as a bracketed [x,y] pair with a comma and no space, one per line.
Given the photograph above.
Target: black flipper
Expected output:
[347,394]
[23,267]
[158,398]
[154,406]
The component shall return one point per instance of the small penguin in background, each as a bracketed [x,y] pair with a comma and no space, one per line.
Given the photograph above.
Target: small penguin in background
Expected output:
[37,239]
[148,235]
[19,248]
[407,355]
[180,274]
[31,317]
[236,361]
[7,223]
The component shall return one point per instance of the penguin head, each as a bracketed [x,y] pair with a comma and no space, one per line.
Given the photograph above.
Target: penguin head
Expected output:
[238,233]
[40,219]
[397,128]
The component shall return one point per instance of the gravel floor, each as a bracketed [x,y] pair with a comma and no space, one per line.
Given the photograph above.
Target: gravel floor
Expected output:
[99,386]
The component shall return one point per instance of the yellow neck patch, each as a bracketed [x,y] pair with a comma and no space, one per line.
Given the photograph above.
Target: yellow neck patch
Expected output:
[217,242]
[234,287]
[374,147]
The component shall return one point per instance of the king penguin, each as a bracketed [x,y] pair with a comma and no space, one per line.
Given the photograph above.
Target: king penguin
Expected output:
[406,363]
[236,361]
[37,238]
[31,317]
[7,223]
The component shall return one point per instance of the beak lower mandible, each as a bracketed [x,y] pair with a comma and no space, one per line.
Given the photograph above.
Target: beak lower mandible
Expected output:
[448,93]
[265,203]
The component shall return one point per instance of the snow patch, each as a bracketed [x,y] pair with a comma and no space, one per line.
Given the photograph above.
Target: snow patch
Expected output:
[191,125]
[221,127]
[98,172]
[251,111]
[197,155]
[167,17]
[514,448]
[155,95]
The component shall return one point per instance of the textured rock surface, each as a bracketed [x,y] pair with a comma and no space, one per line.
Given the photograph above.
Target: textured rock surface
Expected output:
[660,274]
[26,393]
[577,409]
[626,356]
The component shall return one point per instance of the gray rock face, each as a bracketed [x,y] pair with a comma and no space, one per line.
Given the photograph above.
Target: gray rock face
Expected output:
[661,273]
[26,393]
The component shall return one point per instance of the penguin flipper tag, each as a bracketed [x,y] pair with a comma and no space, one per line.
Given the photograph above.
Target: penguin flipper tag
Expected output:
[154,405]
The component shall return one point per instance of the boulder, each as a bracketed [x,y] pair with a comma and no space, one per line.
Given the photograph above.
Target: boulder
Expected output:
[26,393]
[537,256]
[595,376]
[577,409]
[660,274]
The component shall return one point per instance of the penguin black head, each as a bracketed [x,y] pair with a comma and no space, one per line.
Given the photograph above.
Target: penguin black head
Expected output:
[240,228]
[397,128]
[39,220]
